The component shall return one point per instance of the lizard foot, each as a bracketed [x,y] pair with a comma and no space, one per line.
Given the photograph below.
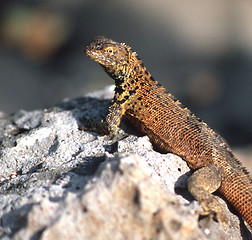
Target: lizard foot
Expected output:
[90,125]
[214,210]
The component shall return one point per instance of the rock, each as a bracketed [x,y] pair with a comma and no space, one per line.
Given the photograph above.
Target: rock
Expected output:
[125,202]
[59,182]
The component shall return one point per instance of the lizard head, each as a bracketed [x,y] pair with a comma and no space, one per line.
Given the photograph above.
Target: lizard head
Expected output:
[112,56]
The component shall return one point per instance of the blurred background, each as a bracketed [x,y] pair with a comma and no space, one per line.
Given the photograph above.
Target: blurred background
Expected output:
[201,51]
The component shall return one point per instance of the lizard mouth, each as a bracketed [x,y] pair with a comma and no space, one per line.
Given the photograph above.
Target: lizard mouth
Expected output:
[96,56]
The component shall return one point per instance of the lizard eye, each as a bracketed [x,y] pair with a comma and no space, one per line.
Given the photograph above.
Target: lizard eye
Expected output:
[109,50]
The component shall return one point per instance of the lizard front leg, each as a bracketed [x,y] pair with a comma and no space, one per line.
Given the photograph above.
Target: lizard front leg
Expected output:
[110,125]
[201,185]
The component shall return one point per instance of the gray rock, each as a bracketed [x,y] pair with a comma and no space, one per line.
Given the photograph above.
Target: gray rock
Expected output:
[59,182]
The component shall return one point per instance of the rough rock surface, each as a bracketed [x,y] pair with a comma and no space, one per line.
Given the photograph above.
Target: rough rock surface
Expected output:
[58,182]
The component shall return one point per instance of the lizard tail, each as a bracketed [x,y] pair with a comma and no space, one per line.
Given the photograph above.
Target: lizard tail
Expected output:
[238,191]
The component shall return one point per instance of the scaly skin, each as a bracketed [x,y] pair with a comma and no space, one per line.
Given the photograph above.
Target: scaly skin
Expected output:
[172,128]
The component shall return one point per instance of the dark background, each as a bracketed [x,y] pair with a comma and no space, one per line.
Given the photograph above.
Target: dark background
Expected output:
[200,51]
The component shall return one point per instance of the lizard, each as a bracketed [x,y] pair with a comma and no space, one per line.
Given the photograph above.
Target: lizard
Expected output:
[172,128]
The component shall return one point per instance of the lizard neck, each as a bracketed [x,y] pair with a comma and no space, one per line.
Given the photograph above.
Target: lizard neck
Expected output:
[132,77]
